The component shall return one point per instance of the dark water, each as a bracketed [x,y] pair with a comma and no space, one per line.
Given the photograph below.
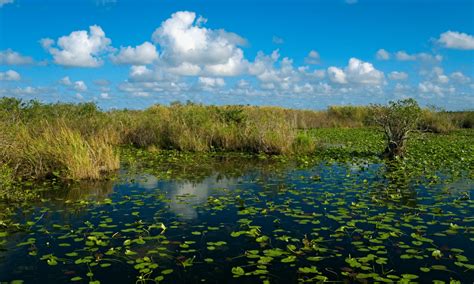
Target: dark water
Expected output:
[340,222]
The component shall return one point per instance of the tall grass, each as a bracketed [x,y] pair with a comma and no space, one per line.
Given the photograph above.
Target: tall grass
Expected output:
[79,141]
[198,128]
[55,150]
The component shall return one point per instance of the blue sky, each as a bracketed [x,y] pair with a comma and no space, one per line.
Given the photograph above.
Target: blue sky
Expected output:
[300,54]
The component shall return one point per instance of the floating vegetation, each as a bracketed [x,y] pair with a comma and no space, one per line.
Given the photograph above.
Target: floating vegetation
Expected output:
[342,214]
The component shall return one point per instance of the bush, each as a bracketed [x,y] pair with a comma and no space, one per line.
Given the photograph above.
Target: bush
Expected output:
[397,120]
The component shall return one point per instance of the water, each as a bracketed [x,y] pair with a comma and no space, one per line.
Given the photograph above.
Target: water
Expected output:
[341,222]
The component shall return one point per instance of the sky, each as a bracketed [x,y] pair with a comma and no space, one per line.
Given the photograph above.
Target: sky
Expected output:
[290,53]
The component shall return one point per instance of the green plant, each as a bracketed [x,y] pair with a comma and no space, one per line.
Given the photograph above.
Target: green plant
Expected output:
[397,120]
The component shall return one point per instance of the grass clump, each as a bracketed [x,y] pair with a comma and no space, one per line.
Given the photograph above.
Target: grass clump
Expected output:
[55,151]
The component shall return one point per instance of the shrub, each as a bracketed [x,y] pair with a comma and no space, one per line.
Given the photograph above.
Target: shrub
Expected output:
[397,120]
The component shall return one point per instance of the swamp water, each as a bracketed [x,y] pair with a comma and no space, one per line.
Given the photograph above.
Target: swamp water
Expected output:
[247,221]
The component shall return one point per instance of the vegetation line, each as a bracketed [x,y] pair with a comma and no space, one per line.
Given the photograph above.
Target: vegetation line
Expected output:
[79,141]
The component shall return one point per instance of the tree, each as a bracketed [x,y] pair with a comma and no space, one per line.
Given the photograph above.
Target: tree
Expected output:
[397,120]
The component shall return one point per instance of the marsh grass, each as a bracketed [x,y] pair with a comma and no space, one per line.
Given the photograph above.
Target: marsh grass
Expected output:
[79,141]
[55,151]
[198,128]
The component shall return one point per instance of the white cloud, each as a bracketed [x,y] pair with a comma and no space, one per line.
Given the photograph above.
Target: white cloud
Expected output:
[65,81]
[382,54]
[423,56]
[363,73]
[140,73]
[10,57]
[337,75]
[79,48]
[403,56]
[210,82]
[357,72]
[460,77]
[282,78]
[105,96]
[243,84]
[312,58]
[431,88]
[144,89]
[429,58]
[185,43]
[395,75]
[9,75]
[185,69]
[142,54]
[5,2]
[80,86]
[439,76]
[456,40]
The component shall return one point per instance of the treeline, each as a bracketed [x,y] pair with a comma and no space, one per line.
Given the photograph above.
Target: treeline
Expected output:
[79,141]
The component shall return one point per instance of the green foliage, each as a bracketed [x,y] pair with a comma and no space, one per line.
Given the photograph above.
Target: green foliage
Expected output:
[304,143]
[397,120]
[79,141]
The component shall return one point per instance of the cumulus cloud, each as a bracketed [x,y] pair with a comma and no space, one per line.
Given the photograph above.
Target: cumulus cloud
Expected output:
[209,82]
[427,87]
[140,55]
[79,48]
[140,73]
[282,78]
[312,58]
[337,75]
[105,96]
[382,54]
[456,40]
[403,56]
[459,77]
[423,56]
[185,69]
[9,75]
[10,57]
[438,75]
[187,45]
[66,81]
[5,2]
[395,75]
[357,72]
[80,86]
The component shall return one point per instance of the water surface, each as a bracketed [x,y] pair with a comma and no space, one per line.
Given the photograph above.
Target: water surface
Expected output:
[350,222]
